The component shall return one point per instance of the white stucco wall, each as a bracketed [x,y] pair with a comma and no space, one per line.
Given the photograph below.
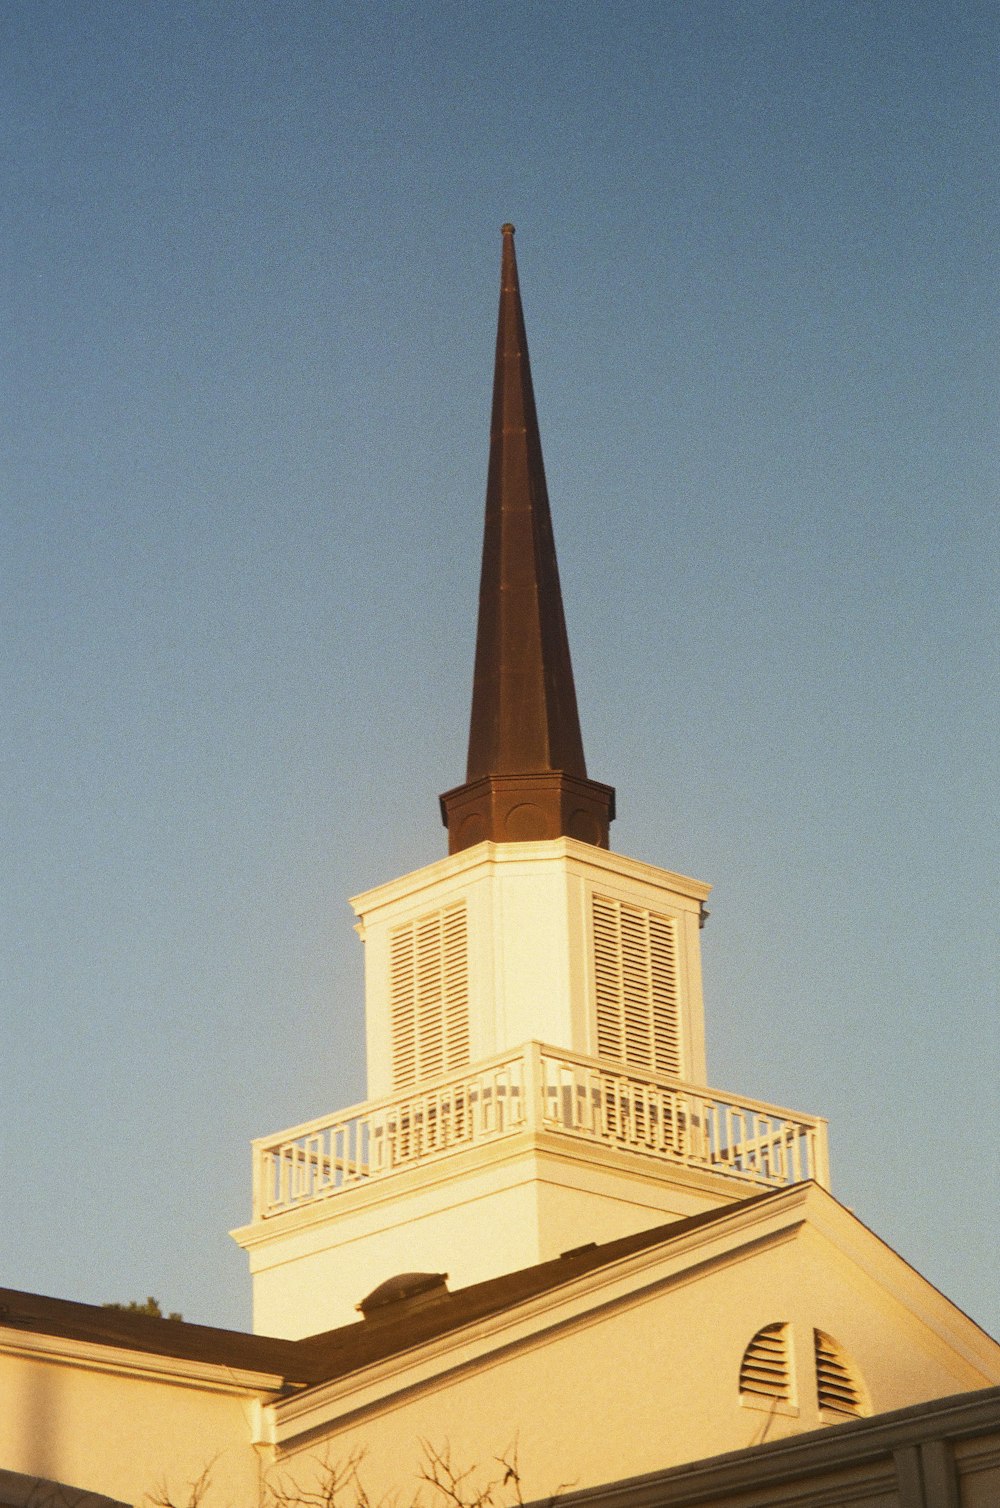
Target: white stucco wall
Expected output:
[477,1215]
[124,1435]
[647,1382]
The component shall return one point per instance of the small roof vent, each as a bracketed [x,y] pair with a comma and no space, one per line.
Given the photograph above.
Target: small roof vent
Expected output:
[404,1293]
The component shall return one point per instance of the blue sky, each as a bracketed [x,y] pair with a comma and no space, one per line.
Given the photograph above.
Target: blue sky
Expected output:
[249,296]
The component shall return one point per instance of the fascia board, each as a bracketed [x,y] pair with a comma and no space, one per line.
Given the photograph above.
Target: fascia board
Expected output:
[145,1366]
[552,1149]
[600,861]
[389,1190]
[915,1293]
[441,871]
[578,1303]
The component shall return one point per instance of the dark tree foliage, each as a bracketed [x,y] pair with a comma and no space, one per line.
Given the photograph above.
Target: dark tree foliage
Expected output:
[151,1307]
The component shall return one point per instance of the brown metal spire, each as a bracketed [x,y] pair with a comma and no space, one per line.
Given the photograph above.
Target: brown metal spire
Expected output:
[526,776]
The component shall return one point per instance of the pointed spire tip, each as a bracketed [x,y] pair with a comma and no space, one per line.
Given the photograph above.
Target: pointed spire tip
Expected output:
[526,777]
[507,229]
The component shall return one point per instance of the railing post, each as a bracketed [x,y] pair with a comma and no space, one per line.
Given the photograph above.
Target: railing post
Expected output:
[534,1086]
[820,1154]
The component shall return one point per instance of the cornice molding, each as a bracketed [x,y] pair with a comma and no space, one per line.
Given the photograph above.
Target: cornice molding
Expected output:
[144,1366]
[473,863]
[495,1155]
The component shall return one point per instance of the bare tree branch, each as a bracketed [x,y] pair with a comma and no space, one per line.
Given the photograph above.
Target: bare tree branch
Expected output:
[161,1497]
[440,1484]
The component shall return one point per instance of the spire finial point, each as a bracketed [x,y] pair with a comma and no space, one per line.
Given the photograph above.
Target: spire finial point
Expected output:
[507,229]
[526,778]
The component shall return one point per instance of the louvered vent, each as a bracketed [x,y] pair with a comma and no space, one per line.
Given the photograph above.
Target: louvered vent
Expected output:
[429,994]
[765,1371]
[837,1388]
[635,973]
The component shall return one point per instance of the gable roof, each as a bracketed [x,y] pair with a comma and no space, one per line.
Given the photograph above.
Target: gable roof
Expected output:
[427,1311]
[337,1353]
[36,1314]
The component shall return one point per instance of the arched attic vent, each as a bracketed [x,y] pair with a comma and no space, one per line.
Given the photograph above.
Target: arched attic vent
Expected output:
[839,1389]
[767,1374]
[766,1370]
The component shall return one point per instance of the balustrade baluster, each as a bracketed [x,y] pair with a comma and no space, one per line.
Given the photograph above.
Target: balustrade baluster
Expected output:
[796,1142]
[570,1095]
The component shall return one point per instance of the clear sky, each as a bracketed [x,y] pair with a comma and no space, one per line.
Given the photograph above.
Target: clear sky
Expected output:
[249,282]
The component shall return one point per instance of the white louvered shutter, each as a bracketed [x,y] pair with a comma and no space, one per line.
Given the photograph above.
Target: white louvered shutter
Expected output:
[837,1389]
[635,977]
[429,996]
[765,1371]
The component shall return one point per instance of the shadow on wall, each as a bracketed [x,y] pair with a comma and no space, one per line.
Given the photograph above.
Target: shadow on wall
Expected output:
[32,1423]
[31,1436]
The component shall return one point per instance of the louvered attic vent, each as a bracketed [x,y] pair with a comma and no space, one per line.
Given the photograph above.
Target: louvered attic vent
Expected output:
[837,1387]
[429,996]
[635,976]
[766,1371]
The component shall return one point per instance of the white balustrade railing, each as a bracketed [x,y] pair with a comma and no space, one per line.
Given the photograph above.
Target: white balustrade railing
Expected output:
[681,1123]
[383,1136]
[542,1089]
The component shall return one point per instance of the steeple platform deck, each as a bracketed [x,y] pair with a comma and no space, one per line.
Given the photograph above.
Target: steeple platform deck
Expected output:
[667,1125]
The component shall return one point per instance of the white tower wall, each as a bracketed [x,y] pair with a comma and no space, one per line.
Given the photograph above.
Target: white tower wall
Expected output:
[529,911]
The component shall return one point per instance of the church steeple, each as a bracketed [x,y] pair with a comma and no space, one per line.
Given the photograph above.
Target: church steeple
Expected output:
[526,777]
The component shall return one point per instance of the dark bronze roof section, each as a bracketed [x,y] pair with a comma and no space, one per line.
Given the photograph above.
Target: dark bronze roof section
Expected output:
[526,777]
[36,1314]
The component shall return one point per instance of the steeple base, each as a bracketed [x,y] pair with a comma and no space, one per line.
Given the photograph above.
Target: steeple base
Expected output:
[528,808]
[490,1210]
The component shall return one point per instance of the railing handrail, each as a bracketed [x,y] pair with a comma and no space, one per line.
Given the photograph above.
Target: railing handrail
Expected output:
[683,1086]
